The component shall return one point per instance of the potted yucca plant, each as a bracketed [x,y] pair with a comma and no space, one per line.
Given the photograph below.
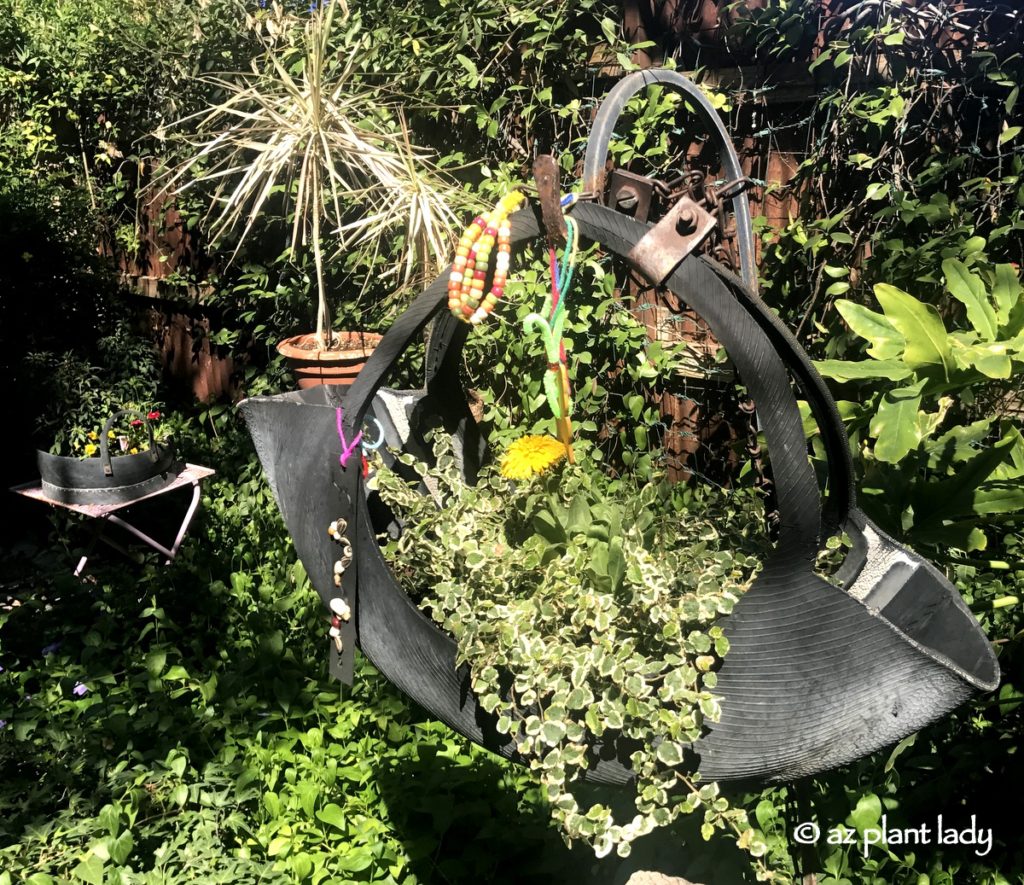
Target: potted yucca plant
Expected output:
[302,121]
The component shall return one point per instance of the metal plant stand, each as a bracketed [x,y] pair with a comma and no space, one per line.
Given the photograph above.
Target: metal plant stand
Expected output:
[106,514]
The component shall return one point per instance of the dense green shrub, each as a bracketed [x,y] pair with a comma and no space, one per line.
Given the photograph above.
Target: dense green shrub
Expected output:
[84,86]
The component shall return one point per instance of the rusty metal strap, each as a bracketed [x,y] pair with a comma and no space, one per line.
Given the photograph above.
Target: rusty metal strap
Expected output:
[663,248]
[545,174]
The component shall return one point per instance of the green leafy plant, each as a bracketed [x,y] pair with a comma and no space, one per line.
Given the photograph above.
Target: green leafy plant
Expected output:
[129,436]
[934,406]
[598,598]
[83,390]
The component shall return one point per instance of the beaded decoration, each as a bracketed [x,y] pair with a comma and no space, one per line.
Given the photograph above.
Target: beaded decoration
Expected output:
[466,300]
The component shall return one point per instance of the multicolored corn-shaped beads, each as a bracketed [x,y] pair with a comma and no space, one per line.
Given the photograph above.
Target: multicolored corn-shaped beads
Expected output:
[466,299]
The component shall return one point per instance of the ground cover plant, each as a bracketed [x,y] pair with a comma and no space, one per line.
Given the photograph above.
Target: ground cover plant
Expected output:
[178,725]
[597,598]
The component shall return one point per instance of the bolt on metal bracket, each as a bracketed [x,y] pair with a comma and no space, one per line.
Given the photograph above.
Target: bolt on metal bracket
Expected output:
[630,193]
[664,247]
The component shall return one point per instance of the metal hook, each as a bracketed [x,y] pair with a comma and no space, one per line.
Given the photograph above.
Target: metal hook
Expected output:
[545,174]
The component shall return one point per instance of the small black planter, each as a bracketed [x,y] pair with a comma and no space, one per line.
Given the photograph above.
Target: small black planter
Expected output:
[107,480]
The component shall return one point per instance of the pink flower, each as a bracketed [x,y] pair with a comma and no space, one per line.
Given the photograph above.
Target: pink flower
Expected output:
[153,416]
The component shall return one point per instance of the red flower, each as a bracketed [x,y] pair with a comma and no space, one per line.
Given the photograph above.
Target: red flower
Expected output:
[137,422]
[153,416]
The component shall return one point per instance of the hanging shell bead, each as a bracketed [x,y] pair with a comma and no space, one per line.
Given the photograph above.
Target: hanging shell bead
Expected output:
[341,612]
[337,531]
[337,528]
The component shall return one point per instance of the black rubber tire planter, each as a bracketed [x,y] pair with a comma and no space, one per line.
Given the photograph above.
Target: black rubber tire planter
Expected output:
[817,675]
[107,479]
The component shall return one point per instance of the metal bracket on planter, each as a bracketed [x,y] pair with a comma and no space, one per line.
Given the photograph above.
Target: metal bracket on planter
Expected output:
[631,194]
[663,248]
[596,158]
[545,174]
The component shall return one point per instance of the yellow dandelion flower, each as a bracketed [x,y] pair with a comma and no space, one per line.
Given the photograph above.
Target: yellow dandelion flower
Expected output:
[531,455]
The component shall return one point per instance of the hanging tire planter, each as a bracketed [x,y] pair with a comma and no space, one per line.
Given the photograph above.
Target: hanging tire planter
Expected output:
[110,479]
[817,675]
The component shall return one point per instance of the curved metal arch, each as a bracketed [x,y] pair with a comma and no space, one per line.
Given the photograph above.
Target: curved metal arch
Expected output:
[604,124]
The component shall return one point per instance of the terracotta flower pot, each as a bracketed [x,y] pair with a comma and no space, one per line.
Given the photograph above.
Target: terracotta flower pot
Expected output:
[311,365]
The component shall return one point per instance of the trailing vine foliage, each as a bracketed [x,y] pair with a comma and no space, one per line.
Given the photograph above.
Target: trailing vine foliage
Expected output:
[585,608]
[510,81]
[912,151]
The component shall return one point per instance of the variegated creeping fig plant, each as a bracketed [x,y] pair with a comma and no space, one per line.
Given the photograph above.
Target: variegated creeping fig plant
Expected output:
[586,609]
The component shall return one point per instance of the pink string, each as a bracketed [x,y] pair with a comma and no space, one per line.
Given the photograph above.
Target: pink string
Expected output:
[555,297]
[555,294]
[346,448]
